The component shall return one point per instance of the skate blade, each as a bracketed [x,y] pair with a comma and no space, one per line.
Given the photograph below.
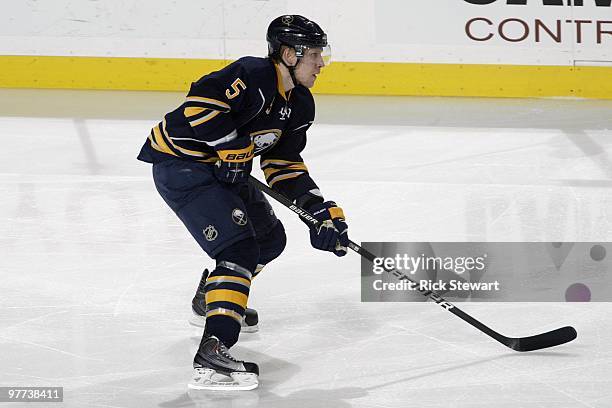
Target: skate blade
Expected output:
[200,321]
[208,379]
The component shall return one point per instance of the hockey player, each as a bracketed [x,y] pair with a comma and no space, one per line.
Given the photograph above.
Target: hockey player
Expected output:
[202,155]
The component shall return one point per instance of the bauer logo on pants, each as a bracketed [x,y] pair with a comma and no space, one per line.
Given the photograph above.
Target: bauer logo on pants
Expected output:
[239,217]
[210,233]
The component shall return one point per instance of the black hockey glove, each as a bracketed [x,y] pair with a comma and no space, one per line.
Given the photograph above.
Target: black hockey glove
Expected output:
[332,232]
[236,161]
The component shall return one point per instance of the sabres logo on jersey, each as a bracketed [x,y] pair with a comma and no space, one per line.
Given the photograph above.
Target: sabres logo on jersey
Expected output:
[265,139]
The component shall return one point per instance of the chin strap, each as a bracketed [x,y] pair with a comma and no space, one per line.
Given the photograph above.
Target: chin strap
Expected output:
[291,70]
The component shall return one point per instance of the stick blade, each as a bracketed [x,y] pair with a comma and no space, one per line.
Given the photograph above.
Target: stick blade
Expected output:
[544,340]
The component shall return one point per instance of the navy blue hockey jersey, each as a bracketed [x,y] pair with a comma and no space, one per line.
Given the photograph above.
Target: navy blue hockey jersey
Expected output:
[244,99]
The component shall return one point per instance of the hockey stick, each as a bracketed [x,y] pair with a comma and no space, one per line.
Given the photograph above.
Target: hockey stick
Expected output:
[537,342]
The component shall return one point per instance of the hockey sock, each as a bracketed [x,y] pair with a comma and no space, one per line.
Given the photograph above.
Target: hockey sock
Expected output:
[227,290]
[271,246]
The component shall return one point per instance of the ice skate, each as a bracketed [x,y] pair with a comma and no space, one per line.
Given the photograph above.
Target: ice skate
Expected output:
[216,369]
[249,323]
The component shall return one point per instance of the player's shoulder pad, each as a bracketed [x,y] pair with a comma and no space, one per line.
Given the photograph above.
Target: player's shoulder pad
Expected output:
[257,68]
[249,69]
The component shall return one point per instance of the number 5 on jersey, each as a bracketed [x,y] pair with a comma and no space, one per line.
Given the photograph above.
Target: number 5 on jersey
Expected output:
[236,85]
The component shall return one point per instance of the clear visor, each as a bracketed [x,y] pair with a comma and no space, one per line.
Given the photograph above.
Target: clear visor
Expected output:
[317,55]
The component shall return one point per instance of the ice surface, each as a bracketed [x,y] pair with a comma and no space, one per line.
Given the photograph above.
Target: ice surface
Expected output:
[97,274]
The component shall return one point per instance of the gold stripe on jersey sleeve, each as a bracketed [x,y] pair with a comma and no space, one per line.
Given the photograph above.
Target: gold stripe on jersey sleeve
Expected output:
[159,143]
[209,101]
[203,119]
[155,146]
[180,149]
[271,171]
[277,162]
[192,111]
[226,295]
[284,177]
